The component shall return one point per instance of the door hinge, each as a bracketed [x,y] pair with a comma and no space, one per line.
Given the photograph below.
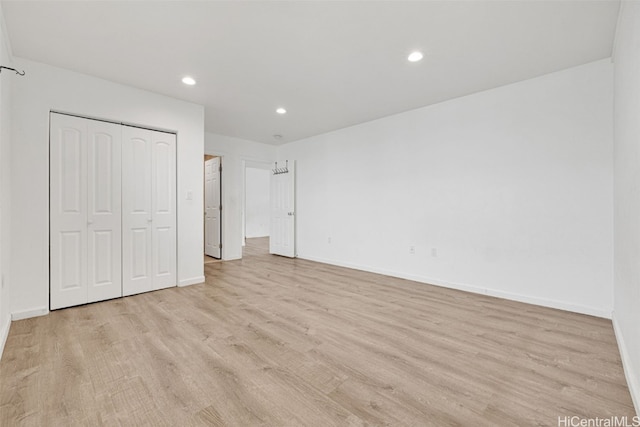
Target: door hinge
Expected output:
[220,207]
[220,168]
[220,245]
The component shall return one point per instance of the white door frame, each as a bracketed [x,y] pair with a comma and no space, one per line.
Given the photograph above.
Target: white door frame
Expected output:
[231,218]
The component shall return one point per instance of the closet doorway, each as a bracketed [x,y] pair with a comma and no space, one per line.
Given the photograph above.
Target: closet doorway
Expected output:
[112,210]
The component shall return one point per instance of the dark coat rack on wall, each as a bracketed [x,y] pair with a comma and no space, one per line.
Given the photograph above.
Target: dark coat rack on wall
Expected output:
[20,73]
[278,171]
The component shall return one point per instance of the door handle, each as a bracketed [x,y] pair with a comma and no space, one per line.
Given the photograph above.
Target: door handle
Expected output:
[290,213]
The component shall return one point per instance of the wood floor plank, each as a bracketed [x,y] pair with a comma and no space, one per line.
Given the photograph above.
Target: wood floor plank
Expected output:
[272,341]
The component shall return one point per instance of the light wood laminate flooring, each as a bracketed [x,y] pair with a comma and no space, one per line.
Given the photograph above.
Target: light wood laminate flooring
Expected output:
[271,341]
[209,259]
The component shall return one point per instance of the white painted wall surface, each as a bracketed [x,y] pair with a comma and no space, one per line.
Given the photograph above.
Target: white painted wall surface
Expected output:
[6,80]
[257,189]
[235,152]
[48,88]
[506,192]
[626,315]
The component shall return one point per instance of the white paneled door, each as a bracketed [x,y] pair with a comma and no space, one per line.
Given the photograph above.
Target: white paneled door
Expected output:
[163,209]
[283,225]
[85,211]
[104,211]
[212,207]
[149,210]
[136,211]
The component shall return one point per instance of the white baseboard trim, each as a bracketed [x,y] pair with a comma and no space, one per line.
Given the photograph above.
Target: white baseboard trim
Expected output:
[576,308]
[191,281]
[25,314]
[4,334]
[633,378]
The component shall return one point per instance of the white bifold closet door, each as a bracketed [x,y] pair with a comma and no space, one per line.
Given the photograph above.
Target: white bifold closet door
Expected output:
[148,210]
[85,211]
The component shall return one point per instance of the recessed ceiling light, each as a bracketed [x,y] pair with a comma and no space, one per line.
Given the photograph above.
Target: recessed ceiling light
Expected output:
[415,56]
[188,80]
[277,136]
[281,111]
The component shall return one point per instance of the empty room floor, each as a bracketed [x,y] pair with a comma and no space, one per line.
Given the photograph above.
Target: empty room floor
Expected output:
[274,341]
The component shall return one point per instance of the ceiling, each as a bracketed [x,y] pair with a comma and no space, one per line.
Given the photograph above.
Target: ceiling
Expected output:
[331,64]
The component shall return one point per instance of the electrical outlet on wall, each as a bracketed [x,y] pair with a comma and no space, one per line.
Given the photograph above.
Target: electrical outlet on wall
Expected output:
[412,250]
[329,240]
[434,252]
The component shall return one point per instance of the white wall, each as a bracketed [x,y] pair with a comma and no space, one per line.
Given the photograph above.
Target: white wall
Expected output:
[626,316]
[48,88]
[257,207]
[506,192]
[235,153]
[6,80]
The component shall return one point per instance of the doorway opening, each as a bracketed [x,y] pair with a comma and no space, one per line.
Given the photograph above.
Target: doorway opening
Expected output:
[212,208]
[256,219]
